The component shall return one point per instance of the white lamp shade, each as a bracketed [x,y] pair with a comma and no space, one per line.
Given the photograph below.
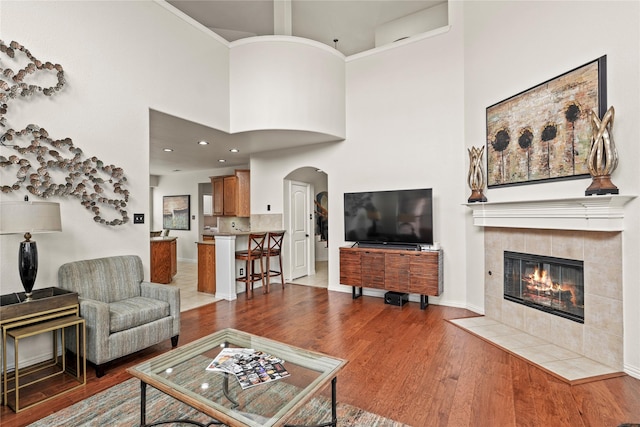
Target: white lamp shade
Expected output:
[29,217]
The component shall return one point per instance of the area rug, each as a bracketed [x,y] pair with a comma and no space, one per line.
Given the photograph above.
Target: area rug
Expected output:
[120,406]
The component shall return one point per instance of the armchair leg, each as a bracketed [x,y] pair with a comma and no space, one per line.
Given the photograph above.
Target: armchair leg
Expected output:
[100,370]
[174,341]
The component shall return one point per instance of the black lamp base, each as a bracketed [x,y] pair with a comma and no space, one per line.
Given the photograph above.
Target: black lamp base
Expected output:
[28,266]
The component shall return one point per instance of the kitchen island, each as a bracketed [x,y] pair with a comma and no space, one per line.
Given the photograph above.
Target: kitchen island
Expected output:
[227,269]
[207,266]
[164,259]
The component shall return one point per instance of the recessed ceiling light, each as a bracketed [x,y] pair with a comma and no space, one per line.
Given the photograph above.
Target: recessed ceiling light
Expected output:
[234,150]
[168,150]
[203,143]
[222,160]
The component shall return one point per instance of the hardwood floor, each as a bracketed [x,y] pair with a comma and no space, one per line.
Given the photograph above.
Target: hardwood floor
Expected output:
[404,363]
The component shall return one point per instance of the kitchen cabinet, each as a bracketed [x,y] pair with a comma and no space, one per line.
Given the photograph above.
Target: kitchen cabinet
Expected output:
[217,183]
[231,194]
[164,259]
[207,267]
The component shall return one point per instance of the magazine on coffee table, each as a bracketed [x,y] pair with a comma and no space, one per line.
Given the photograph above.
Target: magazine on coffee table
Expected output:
[250,367]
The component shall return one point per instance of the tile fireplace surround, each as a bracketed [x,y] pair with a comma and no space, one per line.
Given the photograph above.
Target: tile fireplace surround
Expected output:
[571,229]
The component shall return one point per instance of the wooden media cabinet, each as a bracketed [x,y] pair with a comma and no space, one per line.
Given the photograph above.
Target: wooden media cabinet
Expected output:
[397,270]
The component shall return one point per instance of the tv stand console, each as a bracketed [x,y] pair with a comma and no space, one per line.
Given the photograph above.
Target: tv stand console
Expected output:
[398,270]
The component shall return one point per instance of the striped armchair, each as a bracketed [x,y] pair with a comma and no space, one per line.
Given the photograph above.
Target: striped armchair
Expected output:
[123,314]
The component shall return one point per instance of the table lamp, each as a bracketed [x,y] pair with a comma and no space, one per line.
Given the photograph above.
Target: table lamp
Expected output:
[29,217]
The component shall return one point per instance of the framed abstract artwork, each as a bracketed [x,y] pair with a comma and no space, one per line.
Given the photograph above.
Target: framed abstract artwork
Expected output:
[544,133]
[176,211]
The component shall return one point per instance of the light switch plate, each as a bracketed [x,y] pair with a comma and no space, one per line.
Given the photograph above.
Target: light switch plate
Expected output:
[138,218]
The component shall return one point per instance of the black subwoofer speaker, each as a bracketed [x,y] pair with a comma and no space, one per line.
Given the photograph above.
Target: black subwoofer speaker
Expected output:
[396,298]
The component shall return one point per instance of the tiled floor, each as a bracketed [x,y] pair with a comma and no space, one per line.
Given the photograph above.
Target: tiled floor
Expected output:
[187,280]
[556,360]
[320,279]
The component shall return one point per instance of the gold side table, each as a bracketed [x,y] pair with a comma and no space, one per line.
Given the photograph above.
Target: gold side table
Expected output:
[51,310]
[58,364]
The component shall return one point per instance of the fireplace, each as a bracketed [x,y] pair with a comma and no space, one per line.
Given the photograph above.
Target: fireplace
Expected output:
[600,337]
[550,284]
[582,228]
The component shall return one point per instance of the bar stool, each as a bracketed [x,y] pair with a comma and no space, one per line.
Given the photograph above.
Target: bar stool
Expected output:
[255,249]
[274,248]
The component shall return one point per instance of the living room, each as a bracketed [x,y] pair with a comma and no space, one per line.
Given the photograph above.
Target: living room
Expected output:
[410,114]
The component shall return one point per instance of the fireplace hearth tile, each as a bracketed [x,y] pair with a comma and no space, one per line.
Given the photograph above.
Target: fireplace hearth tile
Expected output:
[518,341]
[605,280]
[496,330]
[538,242]
[561,362]
[576,369]
[540,354]
[477,321]
[568,244]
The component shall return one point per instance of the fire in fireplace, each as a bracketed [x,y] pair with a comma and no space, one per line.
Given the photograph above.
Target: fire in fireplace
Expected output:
[554,285]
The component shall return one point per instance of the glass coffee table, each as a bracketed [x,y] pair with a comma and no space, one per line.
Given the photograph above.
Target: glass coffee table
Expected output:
[233,399]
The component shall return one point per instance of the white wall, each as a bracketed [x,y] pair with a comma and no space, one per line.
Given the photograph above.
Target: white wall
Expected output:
[405,129]
[503,57]
[120,59]
[274,78]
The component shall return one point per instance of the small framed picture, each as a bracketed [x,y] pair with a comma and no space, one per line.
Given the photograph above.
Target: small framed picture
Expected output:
[176,211]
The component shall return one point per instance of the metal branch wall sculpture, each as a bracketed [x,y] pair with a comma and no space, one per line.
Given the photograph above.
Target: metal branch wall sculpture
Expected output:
[38,154]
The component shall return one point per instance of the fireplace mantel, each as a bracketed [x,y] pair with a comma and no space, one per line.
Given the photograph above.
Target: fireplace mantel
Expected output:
[590,213]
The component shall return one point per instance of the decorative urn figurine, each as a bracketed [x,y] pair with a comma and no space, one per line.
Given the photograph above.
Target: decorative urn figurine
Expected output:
[603,156]
[475,178]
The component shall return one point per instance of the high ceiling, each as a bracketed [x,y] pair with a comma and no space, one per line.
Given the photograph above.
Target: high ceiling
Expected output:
[352,22]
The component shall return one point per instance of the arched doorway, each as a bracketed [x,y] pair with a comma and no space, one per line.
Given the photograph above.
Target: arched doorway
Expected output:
[306,220]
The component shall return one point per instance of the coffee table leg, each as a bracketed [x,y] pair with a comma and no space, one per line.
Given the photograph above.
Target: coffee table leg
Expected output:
[143,413]
[225,389]
[143,403]
[334,410]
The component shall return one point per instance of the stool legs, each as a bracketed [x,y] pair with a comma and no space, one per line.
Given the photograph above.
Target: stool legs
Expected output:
[274,248]
[254,252]
[250,276]
[266,289]
[247,274]
[262,277]
[281,270]
[269,271]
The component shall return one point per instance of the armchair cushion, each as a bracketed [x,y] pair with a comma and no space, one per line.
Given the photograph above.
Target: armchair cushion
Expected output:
[131,312]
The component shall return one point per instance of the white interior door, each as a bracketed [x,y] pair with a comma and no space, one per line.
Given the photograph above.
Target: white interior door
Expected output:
[299,224]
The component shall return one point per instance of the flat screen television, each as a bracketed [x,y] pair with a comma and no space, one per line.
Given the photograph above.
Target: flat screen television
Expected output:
[397,217]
